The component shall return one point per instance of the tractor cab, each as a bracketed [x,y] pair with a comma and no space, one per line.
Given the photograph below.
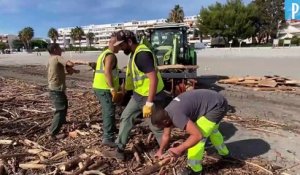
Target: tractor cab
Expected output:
[169,43]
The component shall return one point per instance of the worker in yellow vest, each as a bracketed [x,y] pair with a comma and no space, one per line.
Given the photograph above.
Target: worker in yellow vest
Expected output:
[144,79]
[106,86]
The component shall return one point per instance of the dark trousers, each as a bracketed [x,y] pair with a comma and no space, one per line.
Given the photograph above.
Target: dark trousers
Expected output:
[108,113]
[60,102]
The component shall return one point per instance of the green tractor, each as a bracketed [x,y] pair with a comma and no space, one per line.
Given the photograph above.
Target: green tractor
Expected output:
[177,60]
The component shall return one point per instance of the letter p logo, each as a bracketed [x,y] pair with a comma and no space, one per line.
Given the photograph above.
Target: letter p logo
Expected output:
[292,9]
[295,10]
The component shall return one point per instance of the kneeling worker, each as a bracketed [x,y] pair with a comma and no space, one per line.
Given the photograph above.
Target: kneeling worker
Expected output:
[198,112]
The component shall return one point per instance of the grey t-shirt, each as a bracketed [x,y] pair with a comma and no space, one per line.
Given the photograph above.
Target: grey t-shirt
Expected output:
[194,104]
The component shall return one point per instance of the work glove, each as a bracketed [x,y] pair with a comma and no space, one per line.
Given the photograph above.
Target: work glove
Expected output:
[117,97]
[147,109]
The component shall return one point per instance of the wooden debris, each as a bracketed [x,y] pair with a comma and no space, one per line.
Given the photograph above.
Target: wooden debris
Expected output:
[96,164]
[33,144]
[267,83]
[120,171]
[3,170]
[40,152]
[27,166]
[73,134]
[6,142]
[5,156]
[70,164]
[156,167]
[93,172]
[59,155]
[88,161]
[231,80]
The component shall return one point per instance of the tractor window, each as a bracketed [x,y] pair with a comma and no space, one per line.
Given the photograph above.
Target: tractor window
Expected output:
[164,37]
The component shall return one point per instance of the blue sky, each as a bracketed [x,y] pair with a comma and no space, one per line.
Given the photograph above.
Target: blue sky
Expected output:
[43,14]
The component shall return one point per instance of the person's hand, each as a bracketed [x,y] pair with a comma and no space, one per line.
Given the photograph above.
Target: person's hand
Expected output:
[117,97]
[147,109]
[158,154]
[170,155]
[69,64]
[174,152]
[70,70]
[113,93]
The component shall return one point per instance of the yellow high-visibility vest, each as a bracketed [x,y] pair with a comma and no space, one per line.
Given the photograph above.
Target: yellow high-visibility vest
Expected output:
[99,78]
[137,80]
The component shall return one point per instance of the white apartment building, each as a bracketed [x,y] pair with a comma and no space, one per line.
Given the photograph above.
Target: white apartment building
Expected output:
[8,39]
[293,29]
[103,31]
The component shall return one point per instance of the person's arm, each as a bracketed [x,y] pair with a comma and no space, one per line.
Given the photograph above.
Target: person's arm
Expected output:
[164,142]
[152,86]
[109,63]
[194,138]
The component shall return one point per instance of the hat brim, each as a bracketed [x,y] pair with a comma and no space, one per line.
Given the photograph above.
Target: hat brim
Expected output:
[118,42]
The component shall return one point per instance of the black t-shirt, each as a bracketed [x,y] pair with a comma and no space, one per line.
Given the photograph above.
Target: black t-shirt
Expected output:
[145,63]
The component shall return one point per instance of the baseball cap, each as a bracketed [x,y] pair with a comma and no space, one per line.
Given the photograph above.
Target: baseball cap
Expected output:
[123,35]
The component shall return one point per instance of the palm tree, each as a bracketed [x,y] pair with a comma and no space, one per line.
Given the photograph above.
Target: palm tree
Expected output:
[90,36]
[77,34]
[53,34]
[176,15]
[25,36]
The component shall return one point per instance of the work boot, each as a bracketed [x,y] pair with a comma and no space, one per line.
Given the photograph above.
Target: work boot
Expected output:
[57,137]
[109,142]
[117,153]
[189,171]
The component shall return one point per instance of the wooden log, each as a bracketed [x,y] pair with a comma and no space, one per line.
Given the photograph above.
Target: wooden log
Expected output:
[59,155]
[86,164]
[70,164]
[231,81]
[292,83]
[253,78]
[96,165]
[154,168]
[34,144]
[4,156]
[35,111]
[93,151]
[3,170]
[120,171]
[6,142]
[27,166]
[264,89]
[7,99]
[267,83]
[250,83]
[40,152]
[93,172]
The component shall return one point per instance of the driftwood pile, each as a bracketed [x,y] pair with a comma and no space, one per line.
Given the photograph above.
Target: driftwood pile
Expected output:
[26,113]
[266,83]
